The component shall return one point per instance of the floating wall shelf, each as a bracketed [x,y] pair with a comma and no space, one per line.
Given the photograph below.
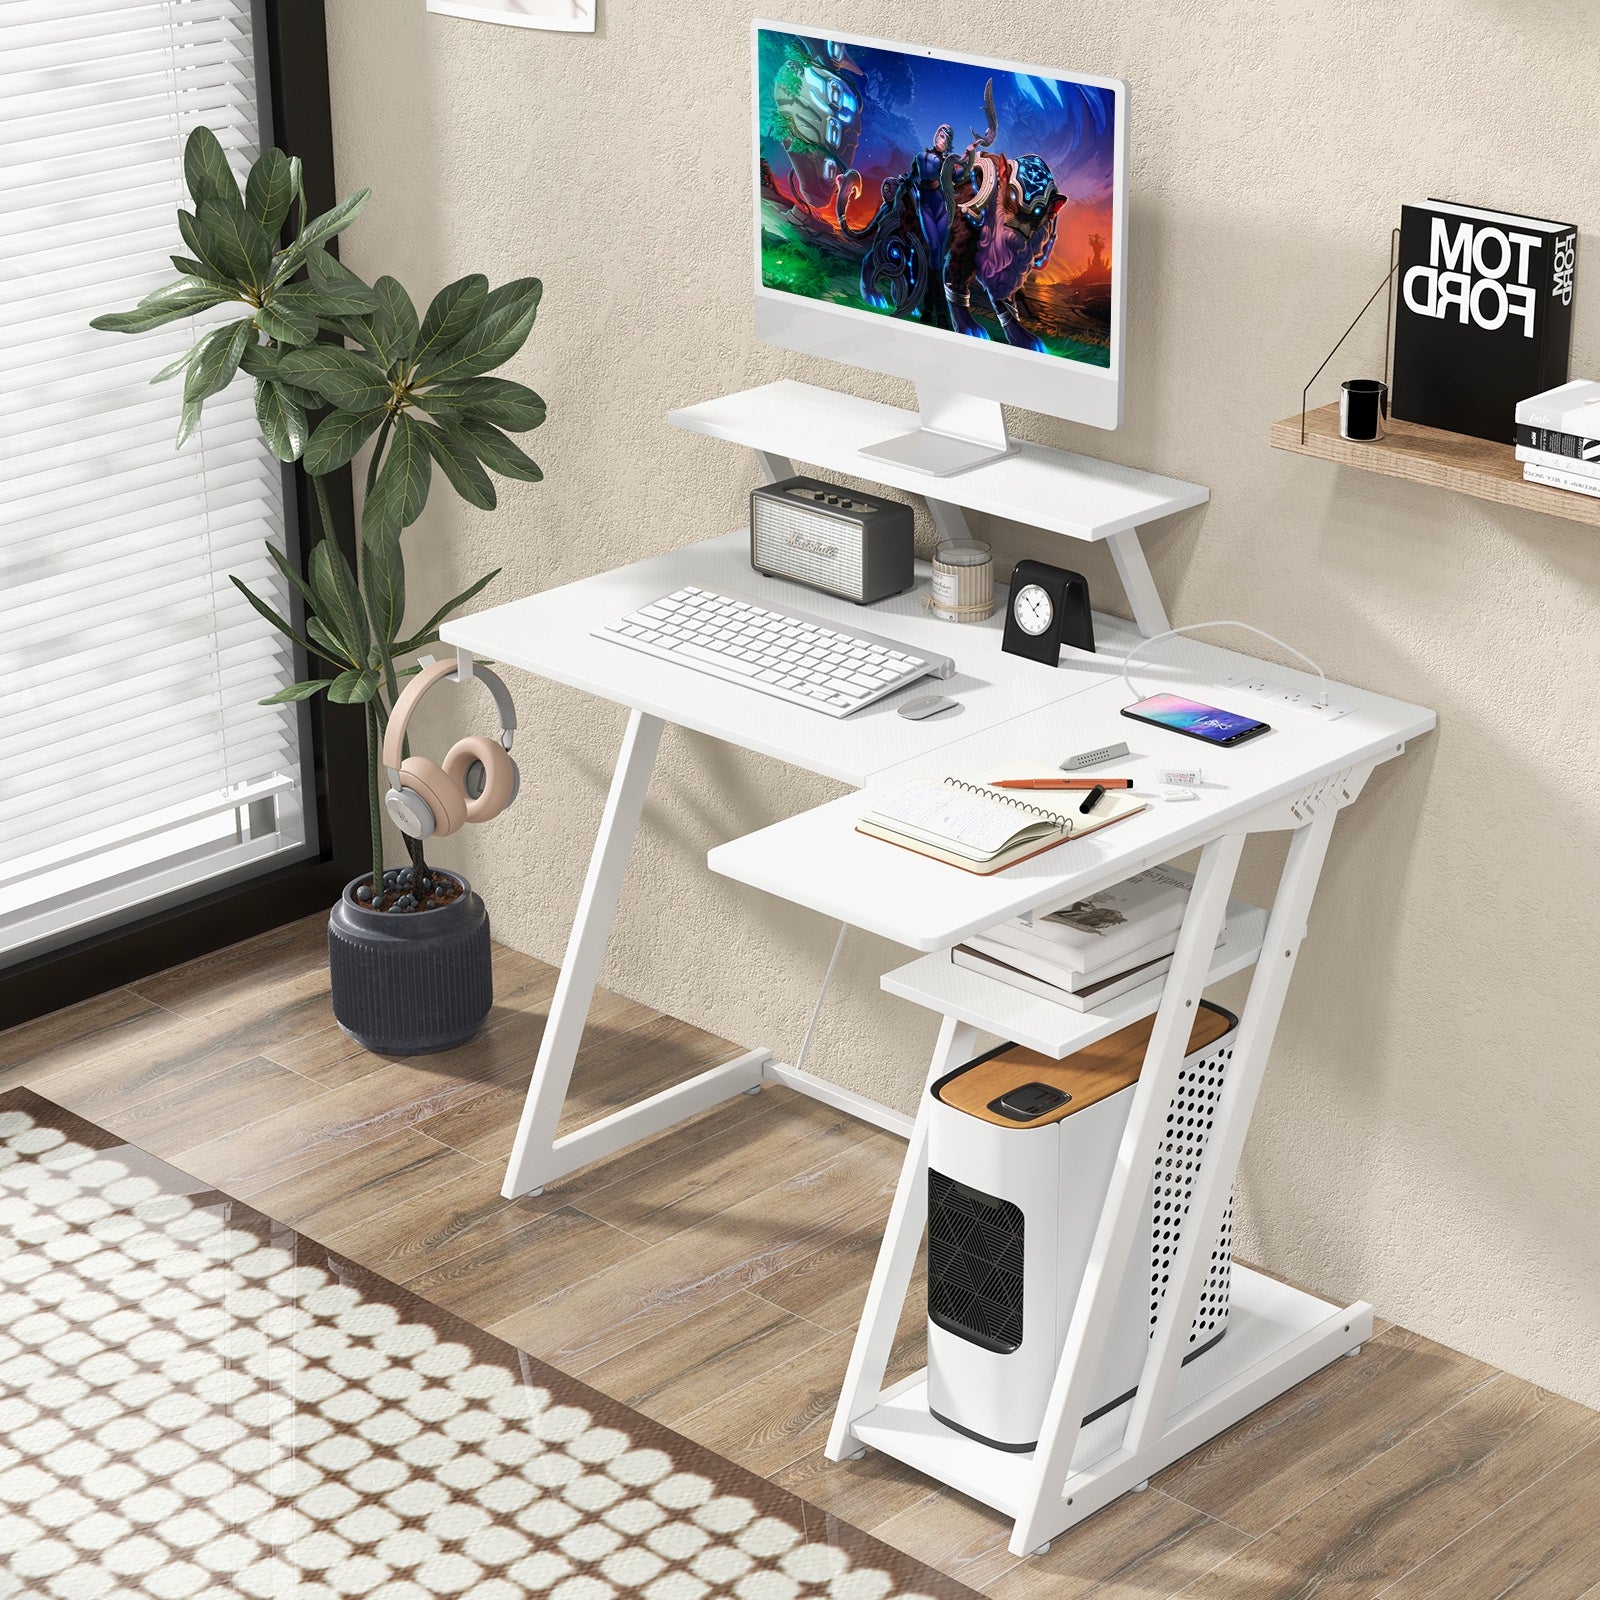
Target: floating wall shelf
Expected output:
[1443,460]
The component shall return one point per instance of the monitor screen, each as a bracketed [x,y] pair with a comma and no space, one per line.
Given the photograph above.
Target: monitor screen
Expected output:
[972,199]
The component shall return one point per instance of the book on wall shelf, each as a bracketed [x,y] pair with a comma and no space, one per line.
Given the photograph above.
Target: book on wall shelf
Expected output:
[1483,316]
[1558,437]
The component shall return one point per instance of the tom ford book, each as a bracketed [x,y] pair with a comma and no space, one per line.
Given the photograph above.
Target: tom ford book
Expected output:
[1483,317]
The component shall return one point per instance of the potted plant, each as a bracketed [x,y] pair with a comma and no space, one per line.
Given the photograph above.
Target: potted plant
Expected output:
[338,364]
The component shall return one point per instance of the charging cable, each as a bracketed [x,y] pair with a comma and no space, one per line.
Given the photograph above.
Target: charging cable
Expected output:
[1196,627]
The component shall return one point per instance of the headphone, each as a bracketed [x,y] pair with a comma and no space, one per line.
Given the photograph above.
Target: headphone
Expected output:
[477,780]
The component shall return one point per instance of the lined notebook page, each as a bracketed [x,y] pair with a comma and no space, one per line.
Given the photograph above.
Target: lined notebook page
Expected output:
[979,825]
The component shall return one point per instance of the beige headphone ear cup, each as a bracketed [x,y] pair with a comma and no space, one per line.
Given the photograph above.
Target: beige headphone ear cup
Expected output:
[499,775]
[445,798]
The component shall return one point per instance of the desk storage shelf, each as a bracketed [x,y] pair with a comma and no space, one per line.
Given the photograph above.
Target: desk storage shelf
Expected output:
[936,982]
[1477,467]
[1265,1320]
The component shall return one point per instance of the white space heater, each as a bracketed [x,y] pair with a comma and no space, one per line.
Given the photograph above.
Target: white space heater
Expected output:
[1020,1153]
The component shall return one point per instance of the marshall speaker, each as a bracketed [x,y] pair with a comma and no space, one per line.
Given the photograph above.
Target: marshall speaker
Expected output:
[854,545]
[1020,1153]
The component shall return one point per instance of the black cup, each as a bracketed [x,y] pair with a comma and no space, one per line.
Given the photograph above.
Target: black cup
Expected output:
[1363,408]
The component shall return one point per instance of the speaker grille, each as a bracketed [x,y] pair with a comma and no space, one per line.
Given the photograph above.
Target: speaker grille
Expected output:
[1194,1109]
[974,1264]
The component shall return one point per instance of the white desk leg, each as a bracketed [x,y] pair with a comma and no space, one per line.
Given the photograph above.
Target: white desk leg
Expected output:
[897,1255]
[1149,614]
[580,967]
[1130,1181]
[774,468]
[1235,1106]
[951,521]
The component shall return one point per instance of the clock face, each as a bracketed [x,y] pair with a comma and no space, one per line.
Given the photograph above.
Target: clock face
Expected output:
[1033,610]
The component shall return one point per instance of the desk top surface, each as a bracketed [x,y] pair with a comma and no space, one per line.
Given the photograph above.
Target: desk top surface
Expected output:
[551,634]
[1011,710]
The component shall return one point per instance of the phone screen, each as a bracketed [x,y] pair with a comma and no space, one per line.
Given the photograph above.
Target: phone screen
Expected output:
[1198,721]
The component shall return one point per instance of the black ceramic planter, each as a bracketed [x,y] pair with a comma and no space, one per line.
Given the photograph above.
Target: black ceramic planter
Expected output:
[409,983]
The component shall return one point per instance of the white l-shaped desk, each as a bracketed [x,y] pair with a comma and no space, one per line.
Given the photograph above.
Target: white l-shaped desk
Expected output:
[1296,779]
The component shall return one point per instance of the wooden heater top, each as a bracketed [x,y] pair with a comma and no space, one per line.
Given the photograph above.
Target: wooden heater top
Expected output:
[1094,1073]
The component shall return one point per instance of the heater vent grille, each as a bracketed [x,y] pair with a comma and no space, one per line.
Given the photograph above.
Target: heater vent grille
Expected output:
[1194,1109]
[974,1264]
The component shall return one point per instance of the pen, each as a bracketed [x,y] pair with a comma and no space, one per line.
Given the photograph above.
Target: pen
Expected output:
[1092,799]
[1062,783]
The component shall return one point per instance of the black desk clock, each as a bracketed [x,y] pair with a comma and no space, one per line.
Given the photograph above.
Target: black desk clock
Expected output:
[1049,608]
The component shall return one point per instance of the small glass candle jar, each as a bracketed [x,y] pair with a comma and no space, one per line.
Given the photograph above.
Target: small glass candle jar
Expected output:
[963,580]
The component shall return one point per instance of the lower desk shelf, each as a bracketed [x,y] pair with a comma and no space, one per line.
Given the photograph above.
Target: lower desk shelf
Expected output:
[936,982]
[1277,1335]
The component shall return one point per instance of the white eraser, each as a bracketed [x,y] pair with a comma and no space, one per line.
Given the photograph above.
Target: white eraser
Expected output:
[1179,794]
[1181,775]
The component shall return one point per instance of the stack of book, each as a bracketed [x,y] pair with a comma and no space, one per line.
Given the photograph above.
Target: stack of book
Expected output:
[1093,950]
[1558,437]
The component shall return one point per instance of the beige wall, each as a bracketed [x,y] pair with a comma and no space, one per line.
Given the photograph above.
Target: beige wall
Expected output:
[1429,1131]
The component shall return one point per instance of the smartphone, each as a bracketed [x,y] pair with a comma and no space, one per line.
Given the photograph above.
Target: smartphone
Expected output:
[1214,726]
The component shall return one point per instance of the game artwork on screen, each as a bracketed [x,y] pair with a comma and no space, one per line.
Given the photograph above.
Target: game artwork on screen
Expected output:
[949,195]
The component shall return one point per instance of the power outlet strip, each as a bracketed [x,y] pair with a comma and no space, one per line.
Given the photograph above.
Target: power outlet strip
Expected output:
[1282,695]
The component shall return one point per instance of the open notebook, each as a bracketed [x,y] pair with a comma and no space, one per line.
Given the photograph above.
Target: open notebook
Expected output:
[984,830]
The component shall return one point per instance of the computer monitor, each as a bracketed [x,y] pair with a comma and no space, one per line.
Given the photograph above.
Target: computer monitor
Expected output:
[951,219]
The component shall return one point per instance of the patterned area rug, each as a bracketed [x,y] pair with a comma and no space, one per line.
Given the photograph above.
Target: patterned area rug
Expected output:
[198,1403]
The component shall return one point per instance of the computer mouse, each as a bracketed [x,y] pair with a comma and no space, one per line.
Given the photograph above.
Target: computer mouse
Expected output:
[927,705]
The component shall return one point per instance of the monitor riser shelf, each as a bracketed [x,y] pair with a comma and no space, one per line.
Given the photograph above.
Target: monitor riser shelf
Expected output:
[1058,491]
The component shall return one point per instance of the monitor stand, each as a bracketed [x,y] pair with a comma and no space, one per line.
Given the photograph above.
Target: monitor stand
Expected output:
[958,432]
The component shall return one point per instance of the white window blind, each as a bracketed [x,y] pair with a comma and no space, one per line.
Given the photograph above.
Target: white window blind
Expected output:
[135,761]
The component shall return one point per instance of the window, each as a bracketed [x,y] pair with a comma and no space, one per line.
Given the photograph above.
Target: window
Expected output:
[136,766]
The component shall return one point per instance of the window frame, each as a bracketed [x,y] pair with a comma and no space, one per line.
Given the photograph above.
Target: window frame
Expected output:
[293,37]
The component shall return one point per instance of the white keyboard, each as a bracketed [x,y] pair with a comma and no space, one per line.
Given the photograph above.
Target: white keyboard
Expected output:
[788,654]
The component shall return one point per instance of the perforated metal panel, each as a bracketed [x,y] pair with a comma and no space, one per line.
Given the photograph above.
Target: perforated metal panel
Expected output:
[1178,1160]
[974,1264]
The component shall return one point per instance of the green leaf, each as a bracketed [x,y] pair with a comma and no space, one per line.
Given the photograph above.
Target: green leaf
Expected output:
[338,599]
[328,647]
[289,325]
[492,448]
[344,378]
[512,406]
[406,474]
[173,368]
[337,438]
[206,372]
[244,335]
[209,254]
[206,171]
[296,691]
[519,296]
[401,317]
[233,240]
[451,313]
[282,419]
[353,688]
[385,575]
[272,616]
[261,360]
[370,330]
[467,478]
[196,269]
[291,575]
[180,299]
[426,633]
[493,338]
[188,419]
[326,226]
[334,280]
[269,191]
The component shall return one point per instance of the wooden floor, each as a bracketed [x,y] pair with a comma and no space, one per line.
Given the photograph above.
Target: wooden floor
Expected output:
[711,1279]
